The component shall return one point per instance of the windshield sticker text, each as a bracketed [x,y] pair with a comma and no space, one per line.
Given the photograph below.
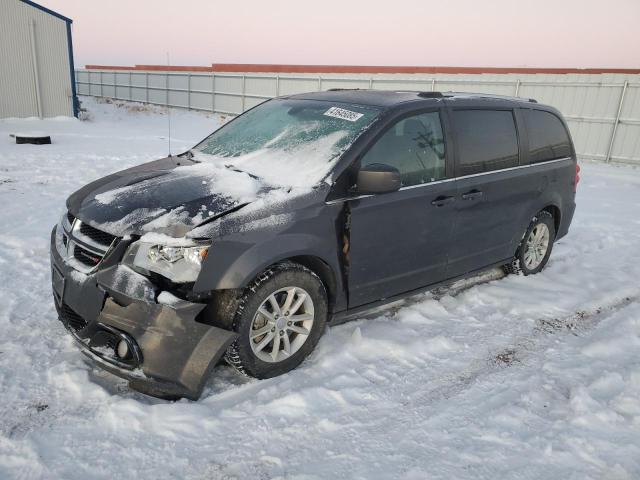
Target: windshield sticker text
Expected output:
[343,114]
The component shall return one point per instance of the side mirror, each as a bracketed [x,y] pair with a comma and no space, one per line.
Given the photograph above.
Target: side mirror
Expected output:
[378,178]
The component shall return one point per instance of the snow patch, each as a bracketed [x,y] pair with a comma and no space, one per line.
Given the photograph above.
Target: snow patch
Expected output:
[121,227]
[162,239]
[169,299]
[131,283]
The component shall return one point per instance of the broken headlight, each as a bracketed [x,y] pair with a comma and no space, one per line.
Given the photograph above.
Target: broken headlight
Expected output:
[179,264]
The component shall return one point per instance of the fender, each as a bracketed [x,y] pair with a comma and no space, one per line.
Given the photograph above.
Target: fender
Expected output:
[555,190]
[546,199]
[234,263]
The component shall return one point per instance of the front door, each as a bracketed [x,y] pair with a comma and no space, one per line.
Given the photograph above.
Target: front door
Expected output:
[399,240]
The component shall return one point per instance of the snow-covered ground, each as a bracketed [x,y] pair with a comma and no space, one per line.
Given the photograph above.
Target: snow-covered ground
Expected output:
[515,377]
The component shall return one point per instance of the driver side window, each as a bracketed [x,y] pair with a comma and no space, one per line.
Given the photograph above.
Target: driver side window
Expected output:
[415,146]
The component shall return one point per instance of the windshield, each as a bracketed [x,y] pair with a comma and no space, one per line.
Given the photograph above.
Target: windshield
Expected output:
[287,142]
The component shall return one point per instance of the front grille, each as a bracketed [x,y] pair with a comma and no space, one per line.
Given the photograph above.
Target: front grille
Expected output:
[96,235]
[83,243]
[86,257]
[71,318]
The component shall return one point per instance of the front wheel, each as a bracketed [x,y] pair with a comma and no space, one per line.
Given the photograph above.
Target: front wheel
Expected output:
[279,320]
[534,250]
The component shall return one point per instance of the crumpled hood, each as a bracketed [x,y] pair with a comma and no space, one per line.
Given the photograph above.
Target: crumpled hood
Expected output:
[170,196]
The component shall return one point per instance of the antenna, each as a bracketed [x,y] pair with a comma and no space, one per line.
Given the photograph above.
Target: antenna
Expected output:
[168,108]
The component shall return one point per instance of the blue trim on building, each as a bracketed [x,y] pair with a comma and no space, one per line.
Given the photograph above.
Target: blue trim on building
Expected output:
[46,10]
[72,71]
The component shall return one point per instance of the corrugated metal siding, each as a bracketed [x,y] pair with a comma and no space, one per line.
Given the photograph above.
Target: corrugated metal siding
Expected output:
[17,82]
[589,102]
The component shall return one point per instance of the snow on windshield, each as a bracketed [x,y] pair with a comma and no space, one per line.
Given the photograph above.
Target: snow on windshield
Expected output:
[304,165]
[291,143]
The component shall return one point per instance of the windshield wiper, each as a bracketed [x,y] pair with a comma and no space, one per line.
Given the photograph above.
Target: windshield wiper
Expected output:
[236,169]
[189,154]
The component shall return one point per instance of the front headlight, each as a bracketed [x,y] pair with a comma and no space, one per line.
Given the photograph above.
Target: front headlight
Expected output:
[179,264]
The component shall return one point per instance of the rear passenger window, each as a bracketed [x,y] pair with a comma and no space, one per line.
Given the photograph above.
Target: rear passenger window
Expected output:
[486,139]
[548,139]
[415,146]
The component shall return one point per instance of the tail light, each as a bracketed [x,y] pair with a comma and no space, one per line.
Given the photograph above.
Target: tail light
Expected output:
[577,178]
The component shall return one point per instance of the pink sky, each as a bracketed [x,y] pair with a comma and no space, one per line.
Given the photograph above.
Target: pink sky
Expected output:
[492,33]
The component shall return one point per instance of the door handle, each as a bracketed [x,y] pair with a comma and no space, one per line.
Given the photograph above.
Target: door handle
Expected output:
[472,195]
[442,201]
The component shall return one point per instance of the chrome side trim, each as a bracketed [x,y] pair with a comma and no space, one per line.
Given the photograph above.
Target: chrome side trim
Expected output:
[512,168]
[420,185]
[345,199]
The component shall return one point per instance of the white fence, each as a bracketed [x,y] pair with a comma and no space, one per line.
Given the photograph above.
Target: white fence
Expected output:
[602,110]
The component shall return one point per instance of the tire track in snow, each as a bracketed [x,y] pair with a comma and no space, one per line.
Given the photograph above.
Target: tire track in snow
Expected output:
[523,346]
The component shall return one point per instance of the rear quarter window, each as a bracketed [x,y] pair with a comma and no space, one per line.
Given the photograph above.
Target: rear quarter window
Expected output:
[487,140]
[548,138]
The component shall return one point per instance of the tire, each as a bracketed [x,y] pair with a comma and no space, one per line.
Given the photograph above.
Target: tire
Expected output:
[248,355]
[521,263]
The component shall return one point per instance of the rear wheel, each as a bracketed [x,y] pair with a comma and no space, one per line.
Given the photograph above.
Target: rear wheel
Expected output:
[280,318]
[534,250]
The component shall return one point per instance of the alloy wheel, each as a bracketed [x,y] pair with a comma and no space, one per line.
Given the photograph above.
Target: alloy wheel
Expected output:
[536,246]
[281,324]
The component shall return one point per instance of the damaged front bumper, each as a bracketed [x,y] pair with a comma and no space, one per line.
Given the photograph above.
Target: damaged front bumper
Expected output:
[169,352]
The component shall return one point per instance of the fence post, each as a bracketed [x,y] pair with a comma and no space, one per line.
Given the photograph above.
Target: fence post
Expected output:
[189,91]
[146,86]
[616,122]
[244,91]
[277,85]
[370,83]
[433,84]
[101,83]
[213,92]
[166,89]
[517,88]
[319,84]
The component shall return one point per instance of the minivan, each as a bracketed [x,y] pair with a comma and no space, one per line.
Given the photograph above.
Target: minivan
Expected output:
[304,211]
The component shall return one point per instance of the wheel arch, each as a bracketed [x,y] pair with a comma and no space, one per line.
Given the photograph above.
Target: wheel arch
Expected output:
[232,269]
[549,203]
[323,270]
[555,212]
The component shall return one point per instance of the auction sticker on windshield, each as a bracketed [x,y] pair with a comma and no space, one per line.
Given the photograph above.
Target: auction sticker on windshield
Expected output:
[343,114]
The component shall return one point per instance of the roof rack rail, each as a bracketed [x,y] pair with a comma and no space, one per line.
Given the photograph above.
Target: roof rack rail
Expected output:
[492,95]
[430,94]
[339,89]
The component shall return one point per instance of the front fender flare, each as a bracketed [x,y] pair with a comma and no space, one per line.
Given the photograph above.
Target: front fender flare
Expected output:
[233,264]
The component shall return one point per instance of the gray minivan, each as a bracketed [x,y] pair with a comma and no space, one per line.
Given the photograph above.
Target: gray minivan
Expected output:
[304,211]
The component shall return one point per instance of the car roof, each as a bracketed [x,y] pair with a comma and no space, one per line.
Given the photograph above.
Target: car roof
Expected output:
[392,98]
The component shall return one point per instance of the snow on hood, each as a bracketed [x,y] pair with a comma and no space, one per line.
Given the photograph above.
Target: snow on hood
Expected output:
[169,196]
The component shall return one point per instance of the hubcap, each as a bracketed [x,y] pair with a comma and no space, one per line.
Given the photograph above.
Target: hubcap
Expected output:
[282,324]
[536,246]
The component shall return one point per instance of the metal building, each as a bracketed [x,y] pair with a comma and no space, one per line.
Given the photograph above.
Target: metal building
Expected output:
[36,62]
